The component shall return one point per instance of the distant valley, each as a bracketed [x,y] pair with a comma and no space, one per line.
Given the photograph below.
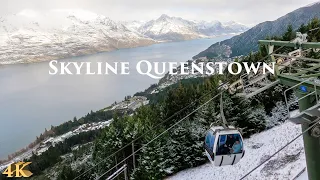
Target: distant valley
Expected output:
[28,37]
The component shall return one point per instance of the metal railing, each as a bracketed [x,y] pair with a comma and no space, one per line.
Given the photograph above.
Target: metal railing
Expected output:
[115,174]
[291,58]
[249,80]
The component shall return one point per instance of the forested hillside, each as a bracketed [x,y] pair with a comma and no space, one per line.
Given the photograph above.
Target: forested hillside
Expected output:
[247,41]
[181,147]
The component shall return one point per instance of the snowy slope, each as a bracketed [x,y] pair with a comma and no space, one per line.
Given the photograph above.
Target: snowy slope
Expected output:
[235,25]
[302,176]
[286,165]
[134,25]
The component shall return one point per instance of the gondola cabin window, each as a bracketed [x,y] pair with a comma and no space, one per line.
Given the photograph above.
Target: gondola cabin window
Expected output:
[209,142]
[229,144]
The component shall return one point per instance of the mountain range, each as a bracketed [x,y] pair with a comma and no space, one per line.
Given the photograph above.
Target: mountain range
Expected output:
[32,37]
[167,28]
[248,41]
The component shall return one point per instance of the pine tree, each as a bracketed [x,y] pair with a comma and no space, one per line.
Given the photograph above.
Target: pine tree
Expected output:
[289,34]
[303,29]
[66,173]
[208,115]
[314,36]
[278,114]
[238,113]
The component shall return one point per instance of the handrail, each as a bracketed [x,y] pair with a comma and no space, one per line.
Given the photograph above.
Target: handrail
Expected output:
[247,82]
[298,58]
[115,174]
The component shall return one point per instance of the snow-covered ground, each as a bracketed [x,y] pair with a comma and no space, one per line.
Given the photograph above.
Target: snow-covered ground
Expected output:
[132,103]
[285,165]
[302,176]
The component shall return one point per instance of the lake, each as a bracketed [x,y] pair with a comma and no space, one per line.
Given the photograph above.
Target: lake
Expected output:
[32,100]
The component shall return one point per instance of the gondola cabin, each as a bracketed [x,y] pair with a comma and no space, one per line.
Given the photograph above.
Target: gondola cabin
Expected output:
[224,146]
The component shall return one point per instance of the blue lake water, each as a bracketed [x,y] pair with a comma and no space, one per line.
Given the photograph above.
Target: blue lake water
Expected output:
[32,100]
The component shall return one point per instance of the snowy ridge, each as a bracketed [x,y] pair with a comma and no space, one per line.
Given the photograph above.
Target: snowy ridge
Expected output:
[318,2]
[167,28]
[165,25]
[31,37]
[134,25]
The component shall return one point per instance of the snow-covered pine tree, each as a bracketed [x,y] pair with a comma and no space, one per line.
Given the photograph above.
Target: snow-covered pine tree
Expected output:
[278,115]
[238,112]
[154,160]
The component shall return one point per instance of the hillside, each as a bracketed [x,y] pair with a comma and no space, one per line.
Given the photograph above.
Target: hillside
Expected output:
[248,41]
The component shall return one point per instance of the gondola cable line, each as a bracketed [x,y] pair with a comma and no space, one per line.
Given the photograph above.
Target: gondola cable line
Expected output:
[191,104]
[165,131]
[299,42]
[313,124]
[178,121]
[147,132]
[282,148]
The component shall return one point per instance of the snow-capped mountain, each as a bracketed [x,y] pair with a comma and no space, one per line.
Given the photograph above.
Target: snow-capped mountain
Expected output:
[30,36]
[167,28]
[170,29]
[133,25]
[235,26]
[31,39]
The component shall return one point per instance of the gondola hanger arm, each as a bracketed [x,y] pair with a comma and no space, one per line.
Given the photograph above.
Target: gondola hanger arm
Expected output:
[224,121]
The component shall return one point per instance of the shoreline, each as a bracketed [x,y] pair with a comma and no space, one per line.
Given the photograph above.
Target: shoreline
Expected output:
[90,126]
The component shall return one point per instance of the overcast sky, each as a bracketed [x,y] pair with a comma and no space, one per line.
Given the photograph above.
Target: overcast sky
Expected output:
[245,11]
